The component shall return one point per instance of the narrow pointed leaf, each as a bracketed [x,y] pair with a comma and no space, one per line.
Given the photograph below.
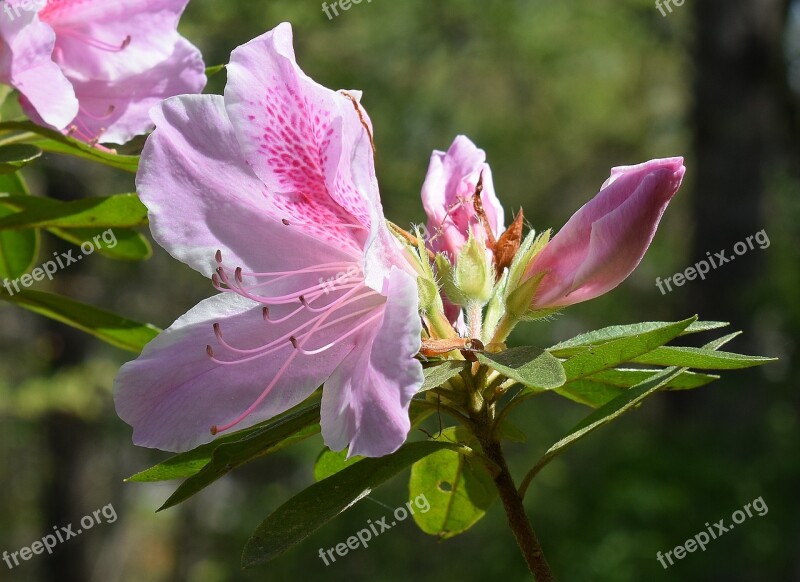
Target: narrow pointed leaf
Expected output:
[532,367]
[52,141]
[601,388]
[122,210]
[105,325]
[575,345]
[229,455]
[700,359]
[130,245]
[308,511]
[190,463]
[611,411]
[621,350]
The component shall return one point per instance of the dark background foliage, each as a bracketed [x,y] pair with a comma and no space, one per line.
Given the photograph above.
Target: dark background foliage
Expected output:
[556,93]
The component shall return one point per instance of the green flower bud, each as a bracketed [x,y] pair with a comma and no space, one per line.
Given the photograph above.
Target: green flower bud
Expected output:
[474,272]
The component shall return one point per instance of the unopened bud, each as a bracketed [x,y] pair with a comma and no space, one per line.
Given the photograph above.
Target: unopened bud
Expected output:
[474,272]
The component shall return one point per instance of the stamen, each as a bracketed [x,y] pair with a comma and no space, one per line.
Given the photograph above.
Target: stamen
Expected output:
[93,42]
[217,429]
[255,353]
[337,340]
[107,115]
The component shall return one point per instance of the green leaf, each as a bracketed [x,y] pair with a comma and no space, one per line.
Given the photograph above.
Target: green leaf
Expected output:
[458,490]
[122,210]
[624,349]
[612,410]
[229,455]
[577,344]
[52,141]
[535,368]
[439,373]
[627,377]
[308,511]
[105,325]
[16,156]
[18,250]
[131,245]
[329,463]
[601,388]
[184,465]
[700,358]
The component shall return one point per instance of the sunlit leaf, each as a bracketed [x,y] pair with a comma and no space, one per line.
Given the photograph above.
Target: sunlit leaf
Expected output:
[457,489]
[184,465]
[122,210]
[229,455]
[577,344]
[532,367]
[618,351]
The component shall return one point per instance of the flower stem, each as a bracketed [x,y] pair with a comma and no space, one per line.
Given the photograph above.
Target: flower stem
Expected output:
[512,503]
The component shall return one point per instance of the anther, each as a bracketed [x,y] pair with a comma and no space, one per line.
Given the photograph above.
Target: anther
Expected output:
[218,256]
[210,351]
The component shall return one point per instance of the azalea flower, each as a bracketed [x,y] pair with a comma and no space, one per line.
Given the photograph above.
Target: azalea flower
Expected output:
[94,68]
[447,196]
[607,238]
[272,192]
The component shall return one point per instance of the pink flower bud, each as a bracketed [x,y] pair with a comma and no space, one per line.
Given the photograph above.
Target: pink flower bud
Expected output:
[606,239]
[447,196]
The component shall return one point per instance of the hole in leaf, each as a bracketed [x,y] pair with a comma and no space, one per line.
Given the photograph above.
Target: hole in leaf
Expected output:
[445,486]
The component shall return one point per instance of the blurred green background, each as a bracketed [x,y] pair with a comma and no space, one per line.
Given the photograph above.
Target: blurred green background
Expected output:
[556,93]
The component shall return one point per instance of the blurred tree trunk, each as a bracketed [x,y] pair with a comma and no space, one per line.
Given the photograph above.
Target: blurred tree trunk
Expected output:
[743,122]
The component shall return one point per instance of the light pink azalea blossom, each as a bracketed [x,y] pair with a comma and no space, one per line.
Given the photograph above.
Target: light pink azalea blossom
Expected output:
[607,238]
[447,196]
[279,175]
[95,67]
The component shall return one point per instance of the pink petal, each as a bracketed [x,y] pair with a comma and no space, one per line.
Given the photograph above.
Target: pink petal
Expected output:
[202,196]
[305,142]
[447,197]
[174,393]
[117,111]
[26,46]
[365,401]
[91,34]
[607,238]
